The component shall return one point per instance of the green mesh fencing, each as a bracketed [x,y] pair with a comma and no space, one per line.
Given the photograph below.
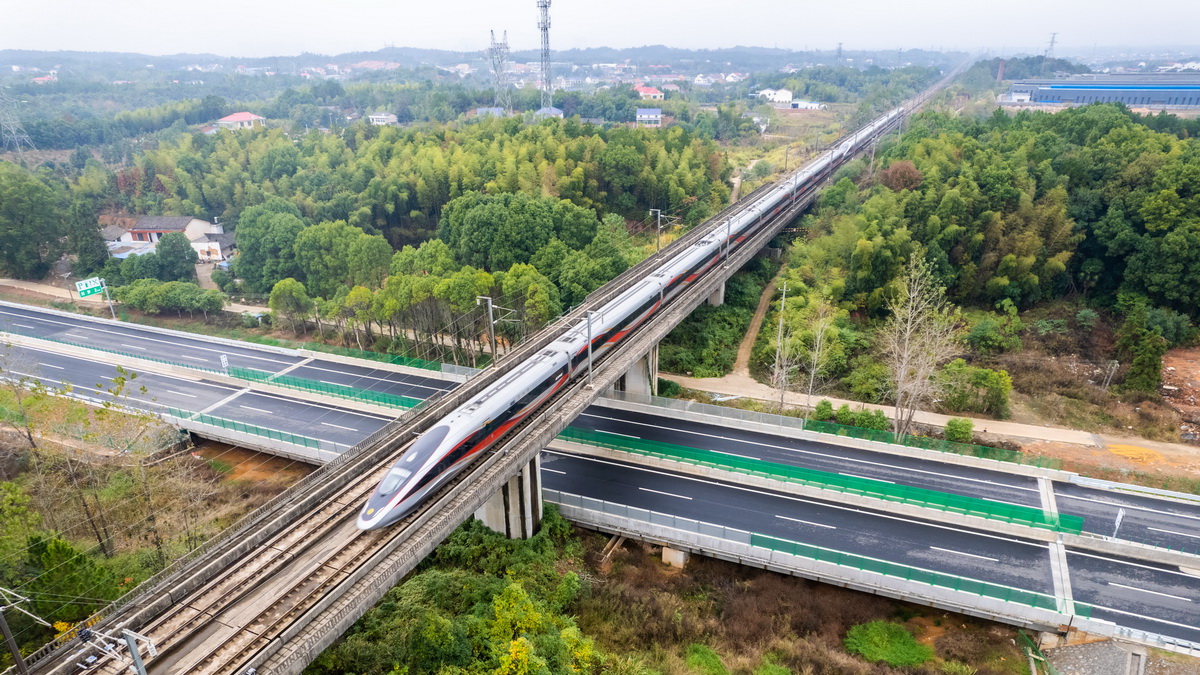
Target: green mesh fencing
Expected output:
[1042,664]
[316,386]
[999,454]
[274,434]
[915,574]
[943,501]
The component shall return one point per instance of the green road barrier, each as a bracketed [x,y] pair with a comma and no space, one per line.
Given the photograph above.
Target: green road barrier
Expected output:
[274,434]
[943,501]
[316,386]
[394,359]
[916,574]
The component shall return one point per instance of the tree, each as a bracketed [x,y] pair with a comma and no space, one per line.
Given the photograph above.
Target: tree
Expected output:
[919,334]
[176,258]
[266,239]
[1140,344]
[290,299]
[31,226]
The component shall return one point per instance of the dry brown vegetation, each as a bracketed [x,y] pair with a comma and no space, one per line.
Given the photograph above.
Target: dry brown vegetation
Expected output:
[649,613]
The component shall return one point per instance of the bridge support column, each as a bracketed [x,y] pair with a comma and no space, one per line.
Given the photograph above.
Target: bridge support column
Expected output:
[718,296]
[675,557]
[515,510]
[642,376]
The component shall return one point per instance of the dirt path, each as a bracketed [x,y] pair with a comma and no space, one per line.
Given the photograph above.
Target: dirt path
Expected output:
[742,365]
[737,181]
[204,275]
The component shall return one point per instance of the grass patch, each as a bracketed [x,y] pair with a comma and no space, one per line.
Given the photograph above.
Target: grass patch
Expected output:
[703,659]
[888,642]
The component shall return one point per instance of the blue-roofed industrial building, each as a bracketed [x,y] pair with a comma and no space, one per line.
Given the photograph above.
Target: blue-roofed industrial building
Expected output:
[1134,90]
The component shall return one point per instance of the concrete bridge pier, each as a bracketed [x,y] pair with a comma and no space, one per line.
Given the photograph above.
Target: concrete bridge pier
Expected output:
[515,510]
[717,298]
[642,376]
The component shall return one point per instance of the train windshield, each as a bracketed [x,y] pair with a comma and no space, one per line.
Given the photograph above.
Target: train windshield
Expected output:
[393,480]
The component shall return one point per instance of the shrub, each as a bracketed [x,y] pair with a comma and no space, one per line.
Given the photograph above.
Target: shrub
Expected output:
[888,642]
[960,430]
[872,419]
[845,415]
[958,668]
[823,410]
[222,279]
[1086,318]
[668,389]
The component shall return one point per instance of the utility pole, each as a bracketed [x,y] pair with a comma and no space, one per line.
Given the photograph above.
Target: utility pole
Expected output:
[9,600]
[109,298]
[589,321]
[491,324]
[657,213]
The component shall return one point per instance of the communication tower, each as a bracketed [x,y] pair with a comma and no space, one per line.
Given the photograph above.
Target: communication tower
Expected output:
[838,58]
[544,26]
[499,53]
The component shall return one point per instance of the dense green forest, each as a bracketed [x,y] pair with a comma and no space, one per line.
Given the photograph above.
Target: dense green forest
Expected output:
[1045,229]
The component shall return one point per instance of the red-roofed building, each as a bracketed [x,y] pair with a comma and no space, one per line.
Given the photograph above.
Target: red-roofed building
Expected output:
[649,93]
[240,120]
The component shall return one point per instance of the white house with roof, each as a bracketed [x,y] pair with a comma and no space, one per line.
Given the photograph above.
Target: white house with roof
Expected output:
[776,95]
[649,117]
[208,239]
[382,119]
[241,120]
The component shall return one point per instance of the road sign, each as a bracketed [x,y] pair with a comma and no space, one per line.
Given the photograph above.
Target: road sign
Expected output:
[88,287]
[224,362]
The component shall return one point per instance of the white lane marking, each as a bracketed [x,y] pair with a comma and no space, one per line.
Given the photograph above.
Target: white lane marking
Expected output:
[123,344]
[969,555]
[266,412]
[50,365]
[193,358]
[877,480]
[806,522]
[80,337]
[75,326]
[669,494]
[24,326]
[636,438]
[830,505]
[296,401]
[336,426]
[1143,590]
[1162,570]
[733,454]
[179,393]
[1134,507]
[336,384]
[554,471]
[1182,534]
[814,453]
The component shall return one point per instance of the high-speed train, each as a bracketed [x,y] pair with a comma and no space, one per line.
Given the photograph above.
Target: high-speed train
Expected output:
[450,445]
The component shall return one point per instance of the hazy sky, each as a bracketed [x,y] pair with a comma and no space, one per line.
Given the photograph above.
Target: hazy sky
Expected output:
[270,27]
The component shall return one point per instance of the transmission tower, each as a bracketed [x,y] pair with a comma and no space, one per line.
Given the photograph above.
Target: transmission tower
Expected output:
[12,134]
[1050,48]
[544,26]
[838,58]
[499,53]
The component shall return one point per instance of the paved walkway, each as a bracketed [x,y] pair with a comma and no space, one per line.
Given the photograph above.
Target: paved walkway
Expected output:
[738,384]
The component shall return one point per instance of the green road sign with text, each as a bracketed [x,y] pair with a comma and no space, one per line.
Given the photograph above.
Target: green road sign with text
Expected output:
[89,286]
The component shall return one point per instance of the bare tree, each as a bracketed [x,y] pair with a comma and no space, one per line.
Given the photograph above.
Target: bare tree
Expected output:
[920,334]
[822,317]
